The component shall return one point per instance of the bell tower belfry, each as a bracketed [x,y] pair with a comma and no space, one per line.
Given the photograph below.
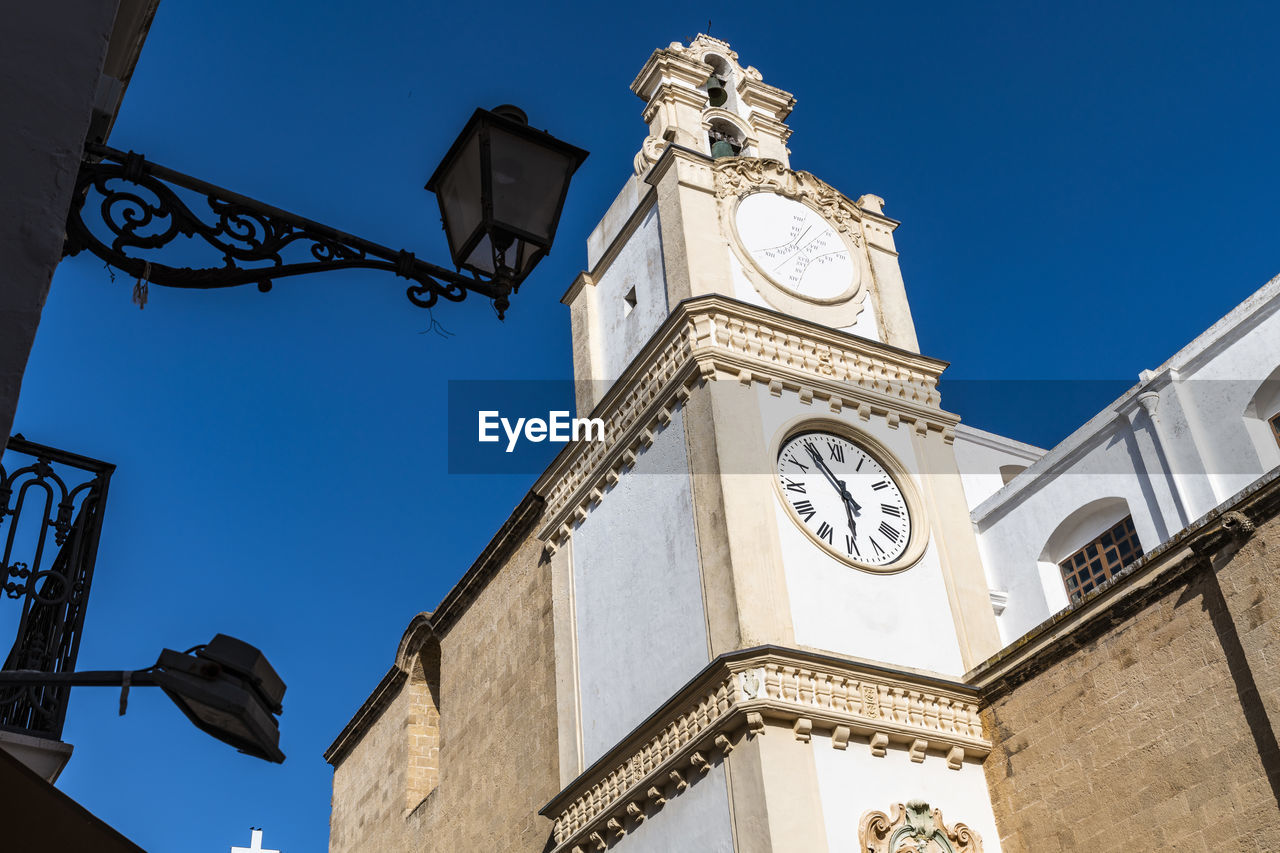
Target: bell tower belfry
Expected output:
[699,95]
[713,206]
[766,582]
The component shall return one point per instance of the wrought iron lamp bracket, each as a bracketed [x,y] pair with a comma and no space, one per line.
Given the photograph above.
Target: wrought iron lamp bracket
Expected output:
[143,211]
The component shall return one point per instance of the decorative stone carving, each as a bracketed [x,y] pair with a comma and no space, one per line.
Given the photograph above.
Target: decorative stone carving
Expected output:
[914,828]
[739,176]
[803,729]
[793,689]
[710,338]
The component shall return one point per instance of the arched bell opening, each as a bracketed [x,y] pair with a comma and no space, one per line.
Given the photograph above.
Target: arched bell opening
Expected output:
[719,86]
[725,139]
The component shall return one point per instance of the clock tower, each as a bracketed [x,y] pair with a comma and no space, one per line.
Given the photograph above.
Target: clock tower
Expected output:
[766,583]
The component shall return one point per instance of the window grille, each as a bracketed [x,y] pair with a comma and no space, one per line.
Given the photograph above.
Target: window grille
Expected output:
[1100,560]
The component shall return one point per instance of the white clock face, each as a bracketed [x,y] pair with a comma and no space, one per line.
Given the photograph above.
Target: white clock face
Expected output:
[795,246]
[844,497]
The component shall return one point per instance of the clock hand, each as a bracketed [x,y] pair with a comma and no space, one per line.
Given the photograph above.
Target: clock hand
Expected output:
[848,510]
[850,503]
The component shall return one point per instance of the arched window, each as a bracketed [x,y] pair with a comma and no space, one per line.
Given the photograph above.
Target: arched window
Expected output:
[1008,472]
[1092,545]
[423,724]
[1262,419]
[725,139]
[419,658]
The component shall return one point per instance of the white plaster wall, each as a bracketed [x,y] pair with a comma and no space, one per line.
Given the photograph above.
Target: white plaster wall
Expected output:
[1213,394]
[1013,546]
[615,218]
[1175,447]
[902,619]
[979,456]
[697,819]
[853,782]
[49,71]
[623,332]
[641,629]
[743,290]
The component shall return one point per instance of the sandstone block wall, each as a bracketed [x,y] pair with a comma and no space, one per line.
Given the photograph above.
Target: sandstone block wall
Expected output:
[369,786]
[1159,732]
[498,751]
[465,762]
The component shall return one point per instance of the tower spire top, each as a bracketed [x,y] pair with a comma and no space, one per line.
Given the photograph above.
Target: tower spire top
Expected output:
[699,96]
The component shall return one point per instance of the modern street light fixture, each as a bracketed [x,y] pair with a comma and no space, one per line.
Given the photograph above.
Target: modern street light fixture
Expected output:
[225,687]
[501,188]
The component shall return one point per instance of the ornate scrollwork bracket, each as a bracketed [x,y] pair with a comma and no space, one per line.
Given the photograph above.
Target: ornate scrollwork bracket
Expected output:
[915,828]
[143,212]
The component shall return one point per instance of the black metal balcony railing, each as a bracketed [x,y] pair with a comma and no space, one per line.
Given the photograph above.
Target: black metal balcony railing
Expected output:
[50,533]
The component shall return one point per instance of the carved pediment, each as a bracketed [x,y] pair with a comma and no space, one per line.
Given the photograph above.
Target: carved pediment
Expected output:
[738,176]
[914,828]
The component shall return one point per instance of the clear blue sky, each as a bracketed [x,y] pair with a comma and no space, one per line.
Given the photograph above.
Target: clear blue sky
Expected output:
[1083,188]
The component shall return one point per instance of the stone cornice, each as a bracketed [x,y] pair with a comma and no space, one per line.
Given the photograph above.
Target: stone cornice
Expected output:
[761,692]
[669,64]
[770,100]
[715,338]
[1147,579]
[491,559]
[387,690]
[456,601]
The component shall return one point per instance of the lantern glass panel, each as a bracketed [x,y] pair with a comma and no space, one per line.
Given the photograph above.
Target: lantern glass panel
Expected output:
[520,257]
[529,183]
[459,192]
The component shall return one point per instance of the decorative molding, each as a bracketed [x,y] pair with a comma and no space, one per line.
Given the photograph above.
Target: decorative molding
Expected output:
[715,338]
[739,176]
[810,694]
[914,828]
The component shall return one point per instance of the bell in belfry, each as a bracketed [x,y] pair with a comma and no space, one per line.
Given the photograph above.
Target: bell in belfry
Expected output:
[722,148]
[716,91]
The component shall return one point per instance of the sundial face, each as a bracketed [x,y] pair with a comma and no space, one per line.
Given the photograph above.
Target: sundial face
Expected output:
[795,247]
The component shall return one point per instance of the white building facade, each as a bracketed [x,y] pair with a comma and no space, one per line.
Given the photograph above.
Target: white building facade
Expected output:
[772,580]
[1181,442]
[744,330]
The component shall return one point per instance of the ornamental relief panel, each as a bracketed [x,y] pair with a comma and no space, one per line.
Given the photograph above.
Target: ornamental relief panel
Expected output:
[914,828]
[737,179]
[738,176]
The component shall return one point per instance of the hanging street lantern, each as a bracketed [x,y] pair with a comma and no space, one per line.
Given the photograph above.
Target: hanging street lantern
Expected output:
[501,188]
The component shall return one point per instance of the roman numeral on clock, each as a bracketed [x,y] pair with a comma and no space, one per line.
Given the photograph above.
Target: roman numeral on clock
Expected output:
[837,452]
[805,510]
[876,545]
[825,531]
[850,546]
[890,509]
[883,484]
[793,485]
[890,533]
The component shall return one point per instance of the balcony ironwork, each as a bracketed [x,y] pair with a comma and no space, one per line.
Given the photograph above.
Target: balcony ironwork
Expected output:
[51,508]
